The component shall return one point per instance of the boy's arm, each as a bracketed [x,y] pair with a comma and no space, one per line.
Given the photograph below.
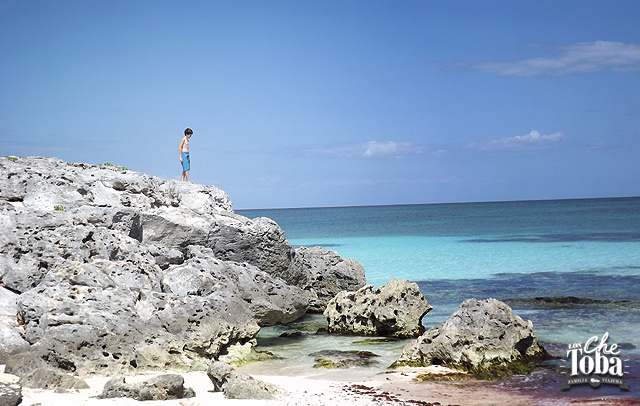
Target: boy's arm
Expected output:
[180,148]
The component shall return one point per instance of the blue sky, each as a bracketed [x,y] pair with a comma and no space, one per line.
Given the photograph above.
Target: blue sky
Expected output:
[326,103]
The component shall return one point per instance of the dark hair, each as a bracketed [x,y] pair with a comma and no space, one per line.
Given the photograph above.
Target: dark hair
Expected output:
[188,131]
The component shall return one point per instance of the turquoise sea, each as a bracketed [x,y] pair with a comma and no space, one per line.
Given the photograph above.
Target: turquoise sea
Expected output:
[513,251]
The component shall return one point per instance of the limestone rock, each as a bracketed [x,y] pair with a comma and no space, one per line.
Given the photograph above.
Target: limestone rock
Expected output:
[41,184]
[236,385]
[92,299]
[35,372]
[219,372]
[343,359]
[232,237]
[165,256]
[119,330]
[241,386]
[161,387]
[323,274]
[10,394]
[394,310]
[24,363]
[51,378]
[89,290]
[239,354]
[480,334]
[172,214]
[270,299]
[113,271]
[11,341]
[41,243]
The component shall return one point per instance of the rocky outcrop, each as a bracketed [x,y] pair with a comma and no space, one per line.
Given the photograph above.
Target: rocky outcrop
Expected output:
[40,184]
[236,385]
[161,387]
[481,336]
[394,310]
[92,299]
[172,214]
[107,270]
[322,274]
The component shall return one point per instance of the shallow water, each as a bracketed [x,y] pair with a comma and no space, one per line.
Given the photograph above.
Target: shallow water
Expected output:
[296,353]
[506,250]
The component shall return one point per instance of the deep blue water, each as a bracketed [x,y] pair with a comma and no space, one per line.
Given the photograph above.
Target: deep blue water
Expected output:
[588,248]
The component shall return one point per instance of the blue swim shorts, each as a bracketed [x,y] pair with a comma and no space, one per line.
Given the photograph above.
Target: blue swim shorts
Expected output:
[186,162]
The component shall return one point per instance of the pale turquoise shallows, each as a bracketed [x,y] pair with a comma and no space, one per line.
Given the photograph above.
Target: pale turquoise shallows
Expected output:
[588,248]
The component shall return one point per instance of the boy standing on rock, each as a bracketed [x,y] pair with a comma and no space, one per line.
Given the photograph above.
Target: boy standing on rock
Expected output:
[183,150]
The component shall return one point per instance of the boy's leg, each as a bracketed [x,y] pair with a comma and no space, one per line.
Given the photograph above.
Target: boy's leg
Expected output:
[188,157]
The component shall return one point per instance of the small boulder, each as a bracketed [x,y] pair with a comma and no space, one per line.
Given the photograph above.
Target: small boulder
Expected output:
[34,372]
[161,387]
[481,336]
[24,363]
[235,385]
[343,359]
[242,386]
[10,394]
[394,310]
[11,342]
[52,378]
[219,373]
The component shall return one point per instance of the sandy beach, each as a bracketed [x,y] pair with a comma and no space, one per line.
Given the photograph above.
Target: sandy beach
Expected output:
[393,388]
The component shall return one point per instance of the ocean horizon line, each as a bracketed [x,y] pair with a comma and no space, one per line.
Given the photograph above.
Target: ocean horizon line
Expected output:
[571,199]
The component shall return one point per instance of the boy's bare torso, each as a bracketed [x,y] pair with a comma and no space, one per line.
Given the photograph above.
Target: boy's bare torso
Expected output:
[185,144]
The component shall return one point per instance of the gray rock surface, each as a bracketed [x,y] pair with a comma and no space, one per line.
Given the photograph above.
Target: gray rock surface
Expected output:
[11,341]
[323,274]
[109,271]
[479,334]
[343,359]
[232,237]
[161,387]
[239,354]
[99,287]
[51,378]
[241,386]
[40,184]
[270,299]
[236,385]
[219,372]
[393,310]
[24,363]
[171,213]
[10,394]
[96,303]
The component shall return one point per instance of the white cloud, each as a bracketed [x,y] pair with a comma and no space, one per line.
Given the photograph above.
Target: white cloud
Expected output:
[533,140]
[372,149]
[574,58]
